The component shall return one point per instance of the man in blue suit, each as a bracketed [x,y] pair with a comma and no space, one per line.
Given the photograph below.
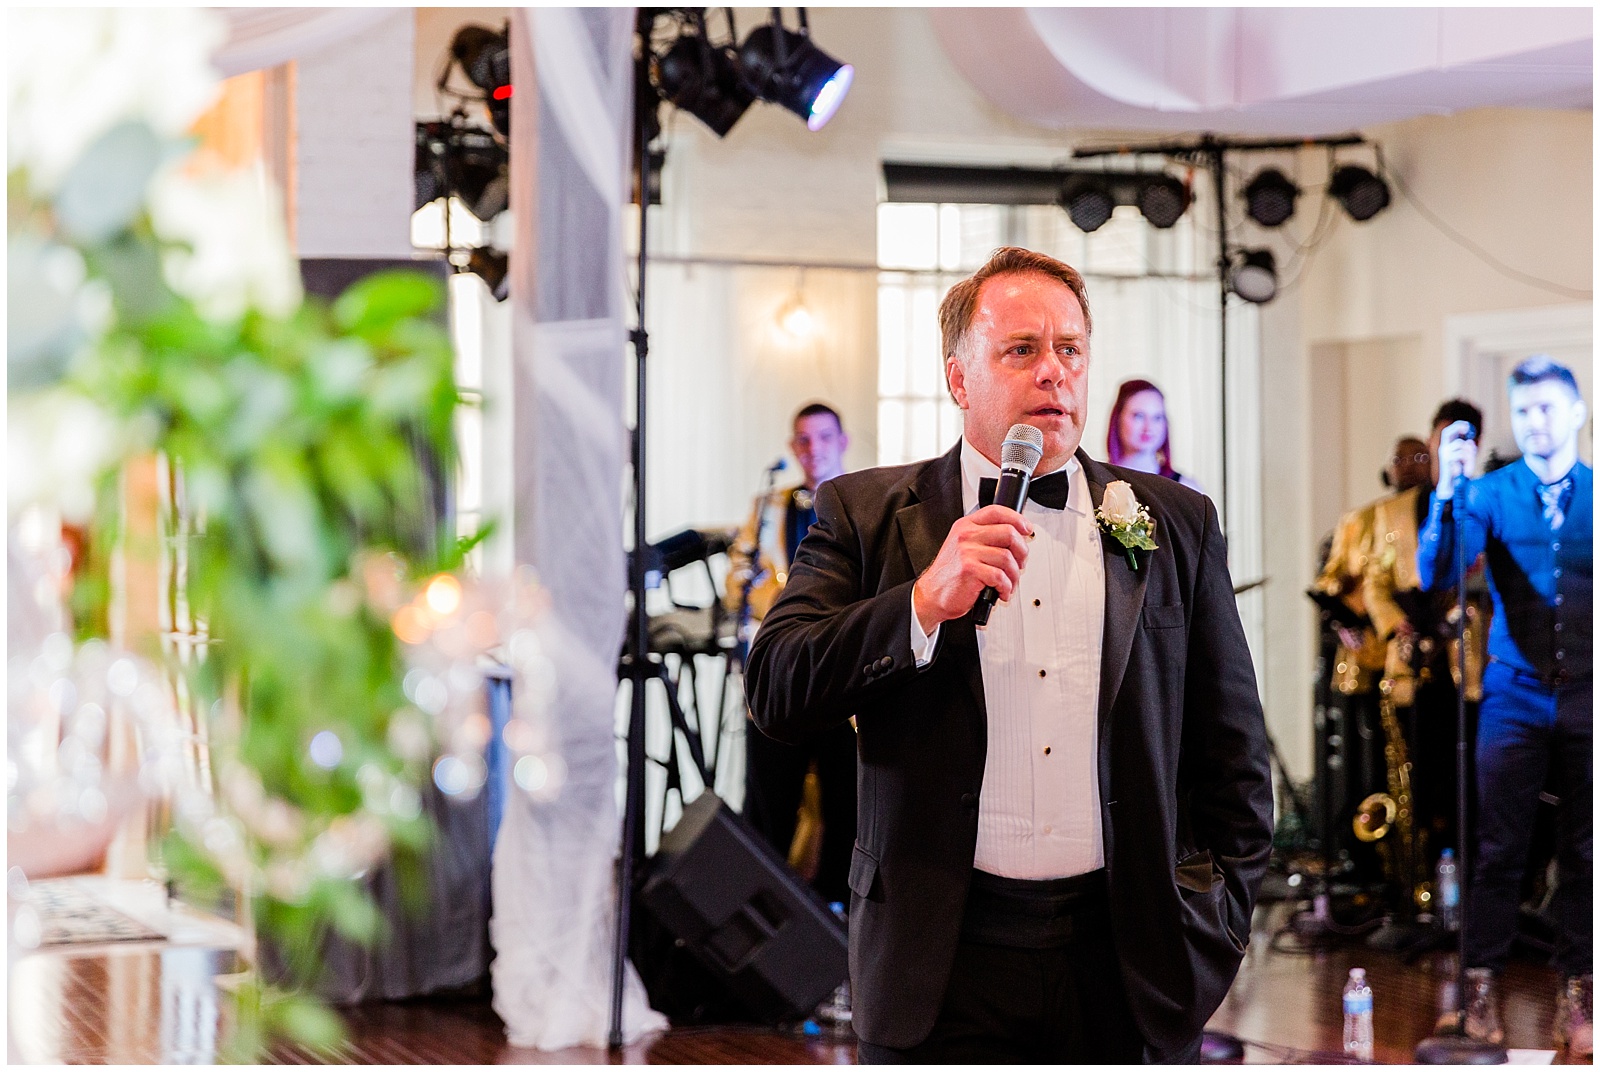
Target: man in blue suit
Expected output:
[1533,520]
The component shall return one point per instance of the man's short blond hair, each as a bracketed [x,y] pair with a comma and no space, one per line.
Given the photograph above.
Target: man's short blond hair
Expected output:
[960,305]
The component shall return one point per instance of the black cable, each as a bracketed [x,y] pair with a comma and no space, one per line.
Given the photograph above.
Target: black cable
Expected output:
[1482,254]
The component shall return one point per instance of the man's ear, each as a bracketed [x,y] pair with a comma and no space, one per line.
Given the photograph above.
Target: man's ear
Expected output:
[954,379]
[1583,414]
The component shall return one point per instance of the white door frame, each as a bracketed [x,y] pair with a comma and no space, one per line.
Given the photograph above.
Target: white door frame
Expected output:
[1477,343]
[1471,335]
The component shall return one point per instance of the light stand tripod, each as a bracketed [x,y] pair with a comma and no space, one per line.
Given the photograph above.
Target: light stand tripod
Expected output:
[1455,1048]
[639,666]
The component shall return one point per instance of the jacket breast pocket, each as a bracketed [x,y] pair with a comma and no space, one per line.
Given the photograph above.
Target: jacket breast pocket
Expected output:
[1168,616]
[863,879]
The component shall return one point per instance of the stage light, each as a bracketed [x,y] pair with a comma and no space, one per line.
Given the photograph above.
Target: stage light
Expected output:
[703,80]
[783,67]
[494,268]
[485,56]
[1362,193]
[1163,201]
[1089,203]
[428,178]
[479,171]
[1255,277]
[1270,197]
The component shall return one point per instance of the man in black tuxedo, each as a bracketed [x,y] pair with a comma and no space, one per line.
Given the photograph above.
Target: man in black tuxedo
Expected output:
[1064,817]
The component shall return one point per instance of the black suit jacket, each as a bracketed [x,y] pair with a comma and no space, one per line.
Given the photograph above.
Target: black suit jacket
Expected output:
[1185,786]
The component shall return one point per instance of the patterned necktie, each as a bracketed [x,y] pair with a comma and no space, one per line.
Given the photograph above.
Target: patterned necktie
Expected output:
[1551,495]
[1048,491]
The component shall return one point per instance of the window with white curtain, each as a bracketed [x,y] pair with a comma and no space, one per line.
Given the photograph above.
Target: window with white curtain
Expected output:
[925,248]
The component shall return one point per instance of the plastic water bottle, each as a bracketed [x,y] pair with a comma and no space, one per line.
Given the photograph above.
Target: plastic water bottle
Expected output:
[1358,1016]
[1447,886]
[836,1009]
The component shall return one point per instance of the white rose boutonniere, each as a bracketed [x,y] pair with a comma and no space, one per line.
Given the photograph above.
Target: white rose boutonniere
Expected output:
[1127,520]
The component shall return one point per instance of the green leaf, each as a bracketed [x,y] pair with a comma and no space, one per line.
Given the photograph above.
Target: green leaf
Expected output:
[306,1021]
[42,329]
[354,915]
[376,302]
[105,189]
[132,265]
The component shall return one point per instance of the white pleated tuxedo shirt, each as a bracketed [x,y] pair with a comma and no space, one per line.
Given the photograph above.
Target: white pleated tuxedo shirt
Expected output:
[1039,811]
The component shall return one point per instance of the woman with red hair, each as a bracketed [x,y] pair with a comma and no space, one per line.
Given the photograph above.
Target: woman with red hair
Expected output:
[1137,437]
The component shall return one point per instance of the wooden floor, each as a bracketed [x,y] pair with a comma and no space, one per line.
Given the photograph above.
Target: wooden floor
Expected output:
[143,1005]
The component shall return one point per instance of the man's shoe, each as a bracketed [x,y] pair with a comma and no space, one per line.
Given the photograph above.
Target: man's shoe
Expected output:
[1574,1027]
[1483,1007]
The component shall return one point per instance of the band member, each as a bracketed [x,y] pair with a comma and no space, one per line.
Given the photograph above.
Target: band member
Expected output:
[1357,664]
[1534,522]
[776,773]
[1064,816]
[1359,659]
[1138,436]
[1421,664]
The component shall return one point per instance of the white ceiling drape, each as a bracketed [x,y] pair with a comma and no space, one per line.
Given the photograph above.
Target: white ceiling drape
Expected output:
[1300,71]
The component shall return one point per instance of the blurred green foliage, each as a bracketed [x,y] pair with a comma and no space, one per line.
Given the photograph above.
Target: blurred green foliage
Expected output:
[303,446]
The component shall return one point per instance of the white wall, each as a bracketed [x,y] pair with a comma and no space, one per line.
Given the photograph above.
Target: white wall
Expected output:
[354,145]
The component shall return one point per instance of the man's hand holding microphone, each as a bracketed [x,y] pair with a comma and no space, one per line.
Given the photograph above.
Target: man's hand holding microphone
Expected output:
[983,554]
[985,549]
[1458,457]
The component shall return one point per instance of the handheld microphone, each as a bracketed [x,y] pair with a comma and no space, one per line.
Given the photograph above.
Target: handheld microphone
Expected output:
[778,466]
[1019,455]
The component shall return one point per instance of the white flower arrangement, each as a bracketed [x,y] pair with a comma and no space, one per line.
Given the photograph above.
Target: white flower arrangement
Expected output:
[74,73]
[1127,520]
[233,253]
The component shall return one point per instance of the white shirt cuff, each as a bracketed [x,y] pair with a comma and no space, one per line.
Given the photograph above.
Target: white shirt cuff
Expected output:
[922,644]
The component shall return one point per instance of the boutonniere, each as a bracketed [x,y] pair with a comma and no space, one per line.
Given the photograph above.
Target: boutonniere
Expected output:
[1127,520]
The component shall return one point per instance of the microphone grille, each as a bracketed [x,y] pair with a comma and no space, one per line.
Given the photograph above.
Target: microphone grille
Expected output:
[1023,447]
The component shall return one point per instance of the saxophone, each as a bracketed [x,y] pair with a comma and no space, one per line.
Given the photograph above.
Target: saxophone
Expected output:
[1381,815]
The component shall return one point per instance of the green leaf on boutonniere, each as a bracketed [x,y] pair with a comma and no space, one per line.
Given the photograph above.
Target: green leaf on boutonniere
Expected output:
[1128,521]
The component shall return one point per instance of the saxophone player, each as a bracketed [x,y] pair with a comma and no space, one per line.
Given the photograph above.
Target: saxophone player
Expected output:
[775,773]
[1350,689]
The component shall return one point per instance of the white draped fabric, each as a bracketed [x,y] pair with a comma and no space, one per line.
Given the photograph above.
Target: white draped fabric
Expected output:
[260,37]
[554,895]
[1266,70]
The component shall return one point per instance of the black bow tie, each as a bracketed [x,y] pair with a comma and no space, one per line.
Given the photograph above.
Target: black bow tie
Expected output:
[1048,491]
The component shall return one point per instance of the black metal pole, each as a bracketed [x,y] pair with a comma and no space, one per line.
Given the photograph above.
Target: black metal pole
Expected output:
[1455,1047]
[1219,179]
[1462,851]
[639,641]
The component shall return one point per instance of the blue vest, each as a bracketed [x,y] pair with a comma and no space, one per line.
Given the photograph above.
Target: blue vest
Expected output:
[1542,580]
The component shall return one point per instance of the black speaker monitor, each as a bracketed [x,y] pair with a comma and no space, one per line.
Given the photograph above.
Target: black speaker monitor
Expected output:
[722,892]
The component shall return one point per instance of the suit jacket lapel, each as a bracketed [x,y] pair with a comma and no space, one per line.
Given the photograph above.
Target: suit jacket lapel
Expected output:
[1124,602]
[923,526]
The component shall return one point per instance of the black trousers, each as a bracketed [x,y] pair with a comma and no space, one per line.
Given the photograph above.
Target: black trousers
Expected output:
[1036,980]
[1528,733]
[774,777]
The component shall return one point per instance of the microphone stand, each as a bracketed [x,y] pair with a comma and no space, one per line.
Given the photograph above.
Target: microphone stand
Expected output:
[741,642]
[1454,1047]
